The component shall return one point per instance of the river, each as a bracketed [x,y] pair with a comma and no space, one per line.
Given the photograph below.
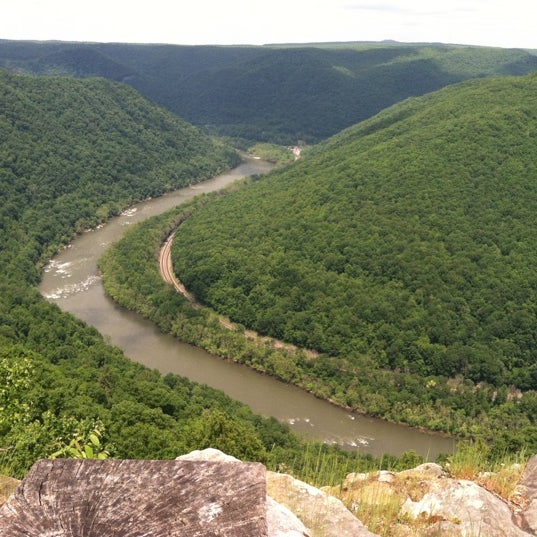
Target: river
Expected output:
[71,280]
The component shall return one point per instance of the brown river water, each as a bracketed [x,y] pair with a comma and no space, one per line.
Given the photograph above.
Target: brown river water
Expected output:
[71,280]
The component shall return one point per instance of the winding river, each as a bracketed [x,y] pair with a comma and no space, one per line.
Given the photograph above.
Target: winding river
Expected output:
[71,280]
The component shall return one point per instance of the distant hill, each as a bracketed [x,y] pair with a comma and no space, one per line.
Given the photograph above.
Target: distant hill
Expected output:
[407,240]
[278,93]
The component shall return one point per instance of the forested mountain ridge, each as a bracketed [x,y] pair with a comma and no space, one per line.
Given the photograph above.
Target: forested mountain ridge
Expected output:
[405,244]
[73,152]
[271,93]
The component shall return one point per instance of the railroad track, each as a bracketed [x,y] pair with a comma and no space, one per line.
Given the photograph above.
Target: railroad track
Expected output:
[166,271]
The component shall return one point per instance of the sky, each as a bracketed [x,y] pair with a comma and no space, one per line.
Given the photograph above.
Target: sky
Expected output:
[502,23]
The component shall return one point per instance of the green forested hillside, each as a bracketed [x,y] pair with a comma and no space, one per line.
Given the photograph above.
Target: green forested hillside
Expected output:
[72,153]
[406,244]
[272,93]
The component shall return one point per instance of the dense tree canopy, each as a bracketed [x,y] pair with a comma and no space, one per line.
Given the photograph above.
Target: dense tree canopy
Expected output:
[408,239]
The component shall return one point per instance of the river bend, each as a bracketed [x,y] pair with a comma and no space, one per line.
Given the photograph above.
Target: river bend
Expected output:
[71,280]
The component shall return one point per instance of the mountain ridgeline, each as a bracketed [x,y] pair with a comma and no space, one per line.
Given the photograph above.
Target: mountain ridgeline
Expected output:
[272,93]
[405,243]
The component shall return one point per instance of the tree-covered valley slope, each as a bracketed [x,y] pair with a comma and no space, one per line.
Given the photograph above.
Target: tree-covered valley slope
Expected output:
[72,153]
[403,250]
[271,93]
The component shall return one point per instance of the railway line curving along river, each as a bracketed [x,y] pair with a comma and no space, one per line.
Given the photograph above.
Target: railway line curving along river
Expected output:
[71,280]
[166,271]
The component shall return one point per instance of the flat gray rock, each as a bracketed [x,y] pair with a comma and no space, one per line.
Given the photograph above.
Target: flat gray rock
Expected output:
[128,498]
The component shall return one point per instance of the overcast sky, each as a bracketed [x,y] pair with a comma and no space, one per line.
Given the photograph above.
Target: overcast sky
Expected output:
[503,23]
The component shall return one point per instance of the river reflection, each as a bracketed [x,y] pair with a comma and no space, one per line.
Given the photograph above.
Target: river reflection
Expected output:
[71,280]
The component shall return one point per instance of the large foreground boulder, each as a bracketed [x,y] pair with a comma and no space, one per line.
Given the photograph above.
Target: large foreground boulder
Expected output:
[127,498]
[461,508]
